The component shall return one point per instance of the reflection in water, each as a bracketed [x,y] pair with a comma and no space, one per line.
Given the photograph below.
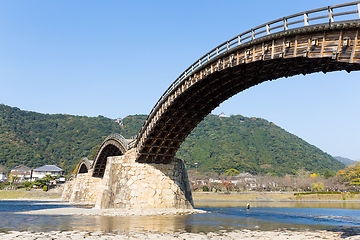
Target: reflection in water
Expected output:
[170,223]
[222,216]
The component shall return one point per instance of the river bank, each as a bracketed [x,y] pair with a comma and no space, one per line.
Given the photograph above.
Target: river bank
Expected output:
[203,196]
[273,196]
[33,194]
[349,234]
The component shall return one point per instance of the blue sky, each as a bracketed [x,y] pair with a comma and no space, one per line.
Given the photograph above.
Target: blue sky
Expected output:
[116,58]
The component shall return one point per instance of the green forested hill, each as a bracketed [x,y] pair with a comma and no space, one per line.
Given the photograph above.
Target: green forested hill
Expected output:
[35,139]
[253,145]
[246,144]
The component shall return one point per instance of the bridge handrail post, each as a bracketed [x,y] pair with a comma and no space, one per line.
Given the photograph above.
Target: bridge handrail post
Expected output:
[358,5]
[239,40]
[306,19]
[267,29]
[252,34]
[331,15]
[285,24]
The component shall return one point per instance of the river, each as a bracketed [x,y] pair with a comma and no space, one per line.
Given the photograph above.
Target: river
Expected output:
[221,216]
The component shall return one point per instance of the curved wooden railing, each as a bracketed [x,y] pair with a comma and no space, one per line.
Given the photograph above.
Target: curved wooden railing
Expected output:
[120,139]
[326,15]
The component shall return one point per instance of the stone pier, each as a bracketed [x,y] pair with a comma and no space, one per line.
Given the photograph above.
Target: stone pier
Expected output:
[128,184]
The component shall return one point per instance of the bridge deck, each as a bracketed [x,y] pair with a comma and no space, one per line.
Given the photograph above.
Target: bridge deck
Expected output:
[307,50]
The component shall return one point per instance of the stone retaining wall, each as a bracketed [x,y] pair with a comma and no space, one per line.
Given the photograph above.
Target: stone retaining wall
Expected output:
[128,184]
[84,189]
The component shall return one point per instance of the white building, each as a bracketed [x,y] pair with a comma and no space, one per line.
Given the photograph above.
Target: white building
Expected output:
[41,172]
[21,172]
[222,115]
[2,176]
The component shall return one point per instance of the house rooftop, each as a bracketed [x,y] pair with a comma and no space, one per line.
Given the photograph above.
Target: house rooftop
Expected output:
[48,168]
[21,166]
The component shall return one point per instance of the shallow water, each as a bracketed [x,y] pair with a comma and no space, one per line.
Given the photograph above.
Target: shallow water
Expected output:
[222,216]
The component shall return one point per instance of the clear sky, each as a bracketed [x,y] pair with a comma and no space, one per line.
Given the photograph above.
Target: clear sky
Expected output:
[115,58]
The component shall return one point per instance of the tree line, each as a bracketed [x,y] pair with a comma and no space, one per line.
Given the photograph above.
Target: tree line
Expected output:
[346,180]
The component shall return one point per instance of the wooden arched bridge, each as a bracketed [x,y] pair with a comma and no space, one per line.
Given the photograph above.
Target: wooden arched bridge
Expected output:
[321,40]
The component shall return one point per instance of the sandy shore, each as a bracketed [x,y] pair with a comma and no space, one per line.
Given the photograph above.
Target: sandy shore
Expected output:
[112,212]
[349,234]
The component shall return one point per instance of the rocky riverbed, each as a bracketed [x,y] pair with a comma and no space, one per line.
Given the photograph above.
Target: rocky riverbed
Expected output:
[350,234]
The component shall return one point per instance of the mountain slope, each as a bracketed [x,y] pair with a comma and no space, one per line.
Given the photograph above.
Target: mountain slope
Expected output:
[253,145]
[217,144]
[35,139]
[345,161]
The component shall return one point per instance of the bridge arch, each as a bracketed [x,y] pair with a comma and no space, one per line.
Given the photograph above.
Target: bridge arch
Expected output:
[84,166]
[255,56]
[113,145]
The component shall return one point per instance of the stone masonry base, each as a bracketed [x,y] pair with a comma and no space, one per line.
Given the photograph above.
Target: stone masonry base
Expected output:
[127,184]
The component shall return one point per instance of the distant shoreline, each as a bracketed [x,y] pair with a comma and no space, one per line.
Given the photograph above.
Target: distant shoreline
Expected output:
[206,196]
[273,197]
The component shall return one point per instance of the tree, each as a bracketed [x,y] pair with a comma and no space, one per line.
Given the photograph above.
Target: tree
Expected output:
[317,187]
[328,174]
[12,178]
[44,181]
[351,174]
[3,169]
[227,185]
[232,172]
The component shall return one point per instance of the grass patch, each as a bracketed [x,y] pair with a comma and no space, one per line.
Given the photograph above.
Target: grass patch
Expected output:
[28,195]
[312,193]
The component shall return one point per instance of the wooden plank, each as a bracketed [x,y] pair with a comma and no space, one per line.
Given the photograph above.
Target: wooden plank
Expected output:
[241,57]
[315,50]
[267,50]
[295,46]
[302,44]
[335,53]
[253,53]
[281,54]
[354,46]
[246,53]
[323,43]
[289,50]
[278,47]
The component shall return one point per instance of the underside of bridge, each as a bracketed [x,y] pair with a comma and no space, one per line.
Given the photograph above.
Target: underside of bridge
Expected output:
[197,102]
[282,56]
[109,148]
[83,169]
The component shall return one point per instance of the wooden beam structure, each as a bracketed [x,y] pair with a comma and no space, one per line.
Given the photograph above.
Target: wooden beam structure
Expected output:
[243,62]
[321,40]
